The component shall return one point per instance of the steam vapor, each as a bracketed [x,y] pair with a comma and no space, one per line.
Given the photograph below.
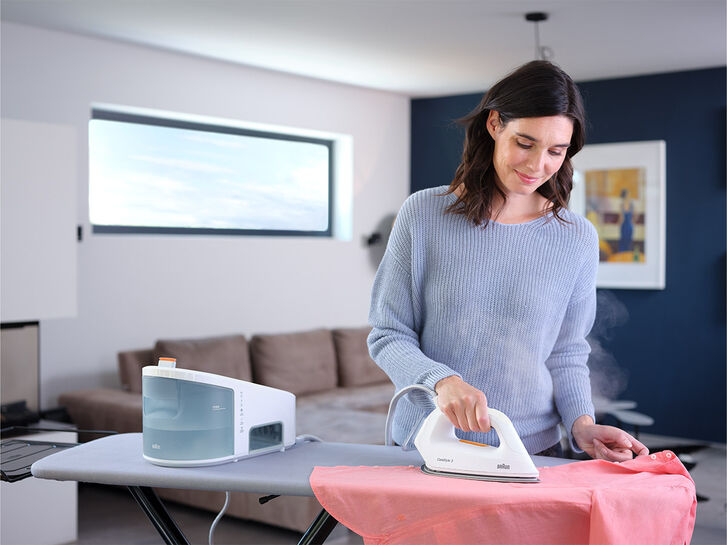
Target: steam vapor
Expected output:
[608,380]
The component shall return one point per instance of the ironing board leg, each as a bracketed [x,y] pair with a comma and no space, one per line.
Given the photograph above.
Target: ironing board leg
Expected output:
[319,529]
[158,515]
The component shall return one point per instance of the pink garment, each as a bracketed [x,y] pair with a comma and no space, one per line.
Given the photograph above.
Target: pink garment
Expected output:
[648,500]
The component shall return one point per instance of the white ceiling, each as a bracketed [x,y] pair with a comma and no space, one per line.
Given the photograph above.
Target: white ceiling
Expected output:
[415,47]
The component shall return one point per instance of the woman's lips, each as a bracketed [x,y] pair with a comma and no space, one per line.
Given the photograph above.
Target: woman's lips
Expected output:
[526,179]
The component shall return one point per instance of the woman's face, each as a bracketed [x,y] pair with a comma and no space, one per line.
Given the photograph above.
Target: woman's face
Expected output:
[528,150]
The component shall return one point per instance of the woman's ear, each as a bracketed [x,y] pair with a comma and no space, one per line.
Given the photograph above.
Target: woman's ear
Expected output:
[493,123]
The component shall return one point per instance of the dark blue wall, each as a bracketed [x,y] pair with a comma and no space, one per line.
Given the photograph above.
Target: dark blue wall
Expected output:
[672,347]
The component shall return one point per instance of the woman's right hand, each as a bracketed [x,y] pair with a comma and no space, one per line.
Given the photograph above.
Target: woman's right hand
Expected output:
[463,404]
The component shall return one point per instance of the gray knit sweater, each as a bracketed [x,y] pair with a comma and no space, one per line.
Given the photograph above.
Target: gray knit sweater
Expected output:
[507,308]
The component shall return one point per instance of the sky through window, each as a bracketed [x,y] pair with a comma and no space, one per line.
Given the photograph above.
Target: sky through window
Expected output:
[145,175]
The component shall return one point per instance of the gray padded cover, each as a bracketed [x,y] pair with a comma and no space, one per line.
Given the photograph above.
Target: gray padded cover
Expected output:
[117,460]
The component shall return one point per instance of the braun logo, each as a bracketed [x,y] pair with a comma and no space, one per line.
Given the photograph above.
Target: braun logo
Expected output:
[156,446]
[448,460]
[503,466]
[217,407]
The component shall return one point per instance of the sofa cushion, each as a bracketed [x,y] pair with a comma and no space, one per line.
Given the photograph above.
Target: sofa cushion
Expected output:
[372,398]
[228,356]
[355,366]
[300,363]
[346,415]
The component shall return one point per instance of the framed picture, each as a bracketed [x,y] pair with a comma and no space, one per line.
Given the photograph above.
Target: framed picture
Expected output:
[621,189]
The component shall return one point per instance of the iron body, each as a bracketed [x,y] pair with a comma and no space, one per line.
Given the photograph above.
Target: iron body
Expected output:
[445,454]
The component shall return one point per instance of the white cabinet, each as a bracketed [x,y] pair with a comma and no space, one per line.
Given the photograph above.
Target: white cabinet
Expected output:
[39,511]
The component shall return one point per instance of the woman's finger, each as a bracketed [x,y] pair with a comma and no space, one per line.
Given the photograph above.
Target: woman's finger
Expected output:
[611,454]
[461,418]
[638,447]
[472,421]
[449,413]
[482,417]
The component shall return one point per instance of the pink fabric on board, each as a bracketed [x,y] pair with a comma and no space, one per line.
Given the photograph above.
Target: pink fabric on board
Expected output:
[650,499]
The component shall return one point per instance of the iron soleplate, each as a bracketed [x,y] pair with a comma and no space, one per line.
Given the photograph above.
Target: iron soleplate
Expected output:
[491,478]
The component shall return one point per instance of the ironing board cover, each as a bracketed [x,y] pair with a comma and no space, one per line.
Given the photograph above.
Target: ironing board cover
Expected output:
[650,499]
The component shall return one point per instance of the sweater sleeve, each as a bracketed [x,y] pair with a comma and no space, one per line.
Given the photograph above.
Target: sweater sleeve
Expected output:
[567,362]
[395,316]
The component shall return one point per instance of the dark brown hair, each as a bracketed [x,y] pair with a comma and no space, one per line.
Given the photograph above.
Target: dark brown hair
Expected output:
[536,89]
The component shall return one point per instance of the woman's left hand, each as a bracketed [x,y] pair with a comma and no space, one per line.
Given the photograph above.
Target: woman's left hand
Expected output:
[606,442]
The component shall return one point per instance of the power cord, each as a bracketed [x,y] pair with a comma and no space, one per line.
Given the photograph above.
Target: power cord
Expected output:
[308,437]
[300,438]
[217,519]
[392,407]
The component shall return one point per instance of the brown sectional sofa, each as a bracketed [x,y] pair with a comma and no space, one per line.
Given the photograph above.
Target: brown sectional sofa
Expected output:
[341,395]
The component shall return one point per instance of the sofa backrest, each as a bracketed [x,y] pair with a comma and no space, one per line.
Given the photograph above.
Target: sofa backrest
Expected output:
[228,355]
[130,364]
[301,363]
[355,366]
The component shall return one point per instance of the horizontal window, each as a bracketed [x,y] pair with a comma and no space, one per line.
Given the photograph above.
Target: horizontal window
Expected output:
[160,175]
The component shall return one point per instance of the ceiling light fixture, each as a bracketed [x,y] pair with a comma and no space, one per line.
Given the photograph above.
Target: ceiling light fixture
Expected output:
[543,53]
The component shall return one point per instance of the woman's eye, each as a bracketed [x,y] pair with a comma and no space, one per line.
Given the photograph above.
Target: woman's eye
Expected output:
[524,146]
[556,153]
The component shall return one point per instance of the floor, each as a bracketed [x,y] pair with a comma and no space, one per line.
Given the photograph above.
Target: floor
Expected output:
[108,515]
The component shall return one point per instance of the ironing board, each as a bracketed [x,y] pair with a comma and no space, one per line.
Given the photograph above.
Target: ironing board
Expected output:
[117,460]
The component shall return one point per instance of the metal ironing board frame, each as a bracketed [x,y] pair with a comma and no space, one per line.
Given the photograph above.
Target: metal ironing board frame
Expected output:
[117,460]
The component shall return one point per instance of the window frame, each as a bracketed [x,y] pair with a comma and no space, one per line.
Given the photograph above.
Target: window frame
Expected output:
[171,122]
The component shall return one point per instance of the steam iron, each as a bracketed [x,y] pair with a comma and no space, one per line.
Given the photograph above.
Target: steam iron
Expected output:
[445,454]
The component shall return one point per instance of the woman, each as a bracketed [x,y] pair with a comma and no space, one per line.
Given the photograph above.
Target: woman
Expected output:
[486,291]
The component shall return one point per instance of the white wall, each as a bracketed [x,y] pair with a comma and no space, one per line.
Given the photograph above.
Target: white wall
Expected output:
[133,289]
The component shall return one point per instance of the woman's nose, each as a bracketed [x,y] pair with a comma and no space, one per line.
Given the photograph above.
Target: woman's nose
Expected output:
[537,162]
